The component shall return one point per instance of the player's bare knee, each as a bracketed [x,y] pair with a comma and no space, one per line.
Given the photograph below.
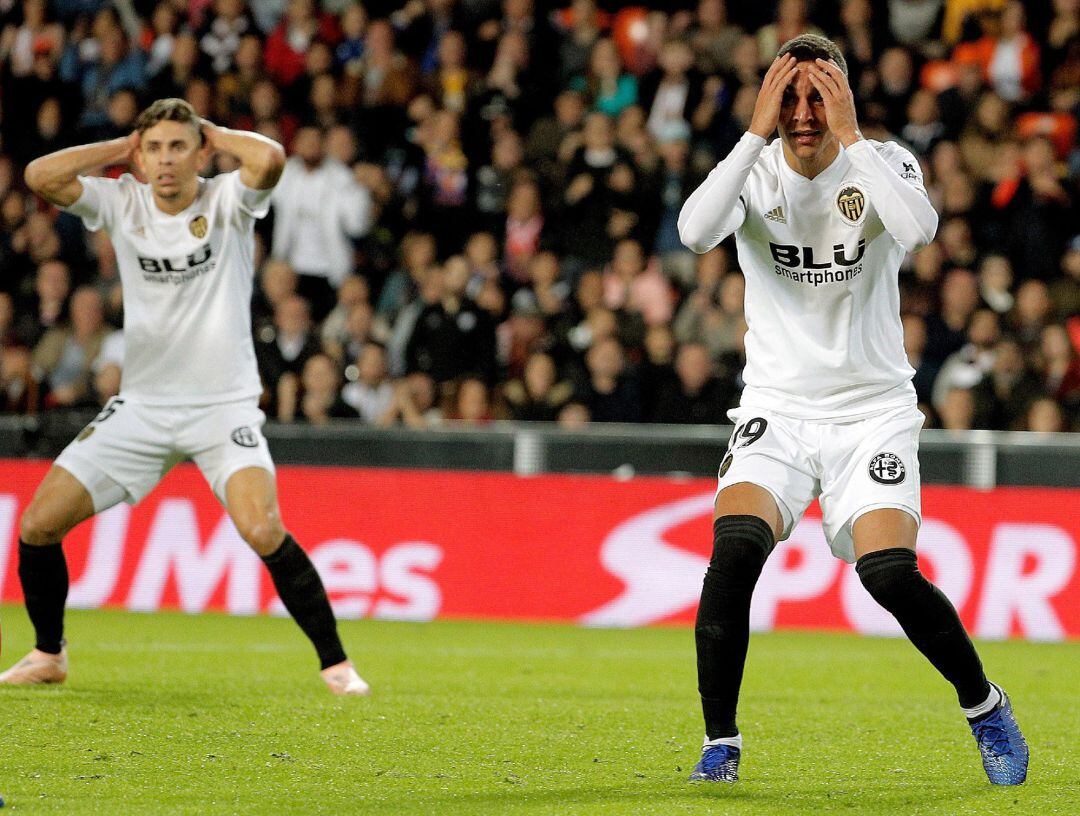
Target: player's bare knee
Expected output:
[39,527]
[264,535]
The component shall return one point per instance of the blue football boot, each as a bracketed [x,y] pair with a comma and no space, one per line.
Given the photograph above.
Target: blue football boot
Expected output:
[718,763]
[1004,749]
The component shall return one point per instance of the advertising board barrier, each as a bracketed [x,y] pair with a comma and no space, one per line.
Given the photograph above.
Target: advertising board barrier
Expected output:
[595,550]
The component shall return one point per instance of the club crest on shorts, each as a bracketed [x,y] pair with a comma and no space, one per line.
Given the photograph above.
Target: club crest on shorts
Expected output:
[245,437]
[886,468]
[725,465]
[851,202]
[198,226]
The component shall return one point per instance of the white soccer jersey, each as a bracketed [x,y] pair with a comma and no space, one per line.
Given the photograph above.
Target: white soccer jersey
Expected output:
[821,258]
[187,281]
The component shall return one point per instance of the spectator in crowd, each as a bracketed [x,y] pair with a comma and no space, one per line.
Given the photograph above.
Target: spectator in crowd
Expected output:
[101,67]
[46,307]
[360,328]
[18,388]
[636,285]
[538,396]
[170,79]
[318,210]
[1001,399]
[315,396]
[221,33]
[283,348]
[523,227]
[1058,366]
[957,410]
[472,405]
[452,336]
[607,88]
[697,396]
[63,356]
[335,333]
[713,37]
[287,46]
[915,348]
[1065,290]
[581,26]
[1031,313]
[277,281]
[996,283]
[966,367]
[1044,415]
[791,21]
[611,391]
[415,403]
[371,393]
[670,94]
[21,44]
[945,330]
[574,416]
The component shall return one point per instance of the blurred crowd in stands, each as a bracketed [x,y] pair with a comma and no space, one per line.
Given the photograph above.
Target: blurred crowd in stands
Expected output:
[478,216]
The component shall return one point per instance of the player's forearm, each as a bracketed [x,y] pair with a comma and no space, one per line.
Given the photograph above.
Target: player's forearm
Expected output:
[712,212]
[53,176]
[261,159]
[905,212]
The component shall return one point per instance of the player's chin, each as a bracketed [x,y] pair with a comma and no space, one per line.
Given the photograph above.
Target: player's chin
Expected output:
[806,149]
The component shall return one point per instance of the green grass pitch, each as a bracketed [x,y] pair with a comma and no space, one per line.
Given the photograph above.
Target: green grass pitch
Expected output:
[174,714]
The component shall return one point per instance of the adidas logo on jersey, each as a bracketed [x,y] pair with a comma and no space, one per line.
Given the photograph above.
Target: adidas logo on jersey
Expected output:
[776,214]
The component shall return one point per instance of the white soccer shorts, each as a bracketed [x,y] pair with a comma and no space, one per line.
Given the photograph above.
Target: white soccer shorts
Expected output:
[852,467]
[128,447]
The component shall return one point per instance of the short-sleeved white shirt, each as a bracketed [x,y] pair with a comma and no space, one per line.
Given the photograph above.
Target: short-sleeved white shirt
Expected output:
[187,281]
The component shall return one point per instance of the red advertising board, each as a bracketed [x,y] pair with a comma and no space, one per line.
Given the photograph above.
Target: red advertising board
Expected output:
[418,545]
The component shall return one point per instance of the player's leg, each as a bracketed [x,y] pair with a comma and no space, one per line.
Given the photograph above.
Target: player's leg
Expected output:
[887,566]
[746,525]
[871,506]
[251,500]
[884,542]
[59,504]
[766,482]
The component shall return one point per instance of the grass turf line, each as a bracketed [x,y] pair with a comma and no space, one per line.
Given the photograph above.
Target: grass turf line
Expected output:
[175,714]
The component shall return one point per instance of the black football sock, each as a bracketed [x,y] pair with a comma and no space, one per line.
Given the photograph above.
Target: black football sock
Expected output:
[301,590]
[44,576]
[722,632]
[927,617]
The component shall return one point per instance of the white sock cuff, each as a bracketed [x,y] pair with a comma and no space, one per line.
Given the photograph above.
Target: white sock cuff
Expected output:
[992,701]
[734,742]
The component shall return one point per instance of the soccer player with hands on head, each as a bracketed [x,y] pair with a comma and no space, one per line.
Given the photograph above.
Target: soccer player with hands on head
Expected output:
[822,220]
[190,387]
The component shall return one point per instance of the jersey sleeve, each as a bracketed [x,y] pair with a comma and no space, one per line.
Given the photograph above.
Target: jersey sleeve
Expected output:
[895,181]
[251,202]
[718,207]
[97,204]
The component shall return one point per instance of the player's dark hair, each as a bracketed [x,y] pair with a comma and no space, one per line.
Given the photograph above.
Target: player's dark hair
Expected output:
[814,46]
[169,110]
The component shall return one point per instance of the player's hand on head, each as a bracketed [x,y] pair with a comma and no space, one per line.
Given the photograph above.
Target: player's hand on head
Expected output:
[209,132]
[133,140]
[832,84]
[771,96]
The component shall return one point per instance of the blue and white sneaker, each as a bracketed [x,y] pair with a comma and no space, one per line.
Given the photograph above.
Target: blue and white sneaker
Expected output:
[718,763]
[1004,749]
